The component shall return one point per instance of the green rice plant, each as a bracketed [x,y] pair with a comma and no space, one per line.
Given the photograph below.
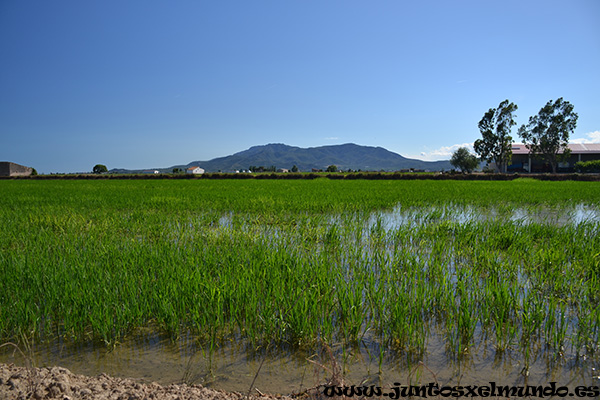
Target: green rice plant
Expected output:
[532,317]
[289,264]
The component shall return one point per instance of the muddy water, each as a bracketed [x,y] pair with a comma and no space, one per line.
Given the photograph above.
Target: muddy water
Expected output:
[151,358]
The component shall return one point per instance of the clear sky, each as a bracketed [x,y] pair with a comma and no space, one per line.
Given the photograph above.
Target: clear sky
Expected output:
[149,84]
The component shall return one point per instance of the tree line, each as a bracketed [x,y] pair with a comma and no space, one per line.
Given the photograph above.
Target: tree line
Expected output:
[546,135]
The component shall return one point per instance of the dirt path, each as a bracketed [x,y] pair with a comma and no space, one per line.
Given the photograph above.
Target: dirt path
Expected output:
[60,383]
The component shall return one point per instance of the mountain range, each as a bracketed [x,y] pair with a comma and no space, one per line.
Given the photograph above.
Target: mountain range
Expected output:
[344,156]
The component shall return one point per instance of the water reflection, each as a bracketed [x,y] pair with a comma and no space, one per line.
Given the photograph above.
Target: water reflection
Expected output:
[415,216]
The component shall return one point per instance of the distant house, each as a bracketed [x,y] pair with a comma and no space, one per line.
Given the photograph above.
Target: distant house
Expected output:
[523,161]
[194,170]
[283,170]
[12,169]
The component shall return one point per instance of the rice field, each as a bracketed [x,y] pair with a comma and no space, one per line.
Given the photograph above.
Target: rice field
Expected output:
[512,267]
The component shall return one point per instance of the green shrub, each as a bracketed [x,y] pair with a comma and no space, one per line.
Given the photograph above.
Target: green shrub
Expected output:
[588,166]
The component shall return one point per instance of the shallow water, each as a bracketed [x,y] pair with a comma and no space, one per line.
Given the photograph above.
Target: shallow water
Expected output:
[151,357]
[572,215]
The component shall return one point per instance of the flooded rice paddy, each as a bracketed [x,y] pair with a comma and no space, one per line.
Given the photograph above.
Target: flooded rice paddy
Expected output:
[415,292]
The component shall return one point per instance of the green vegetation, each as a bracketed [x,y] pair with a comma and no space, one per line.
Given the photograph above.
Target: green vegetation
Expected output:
[587,166]
[547,133]
[99,169]
[254,168]
[464,160]
[495,143]
[294,262]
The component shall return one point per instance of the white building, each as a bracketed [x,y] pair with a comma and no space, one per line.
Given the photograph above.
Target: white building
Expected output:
[194,170]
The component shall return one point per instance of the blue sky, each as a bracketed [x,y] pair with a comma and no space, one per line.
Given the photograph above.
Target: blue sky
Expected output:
[148,84]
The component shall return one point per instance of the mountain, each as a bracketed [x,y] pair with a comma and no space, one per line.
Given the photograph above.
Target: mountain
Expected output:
[344,156]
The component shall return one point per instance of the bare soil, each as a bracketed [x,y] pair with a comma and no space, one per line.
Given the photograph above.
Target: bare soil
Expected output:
[60,383]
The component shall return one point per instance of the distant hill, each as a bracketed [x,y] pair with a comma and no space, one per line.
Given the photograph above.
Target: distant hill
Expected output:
[344,156]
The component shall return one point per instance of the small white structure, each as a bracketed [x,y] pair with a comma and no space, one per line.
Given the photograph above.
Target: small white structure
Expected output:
[194,170]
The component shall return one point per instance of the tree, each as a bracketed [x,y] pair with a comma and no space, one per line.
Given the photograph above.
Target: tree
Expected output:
[99,169]
[546,135]
[294,168]
[496,143]
[332,168]
[464,160]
